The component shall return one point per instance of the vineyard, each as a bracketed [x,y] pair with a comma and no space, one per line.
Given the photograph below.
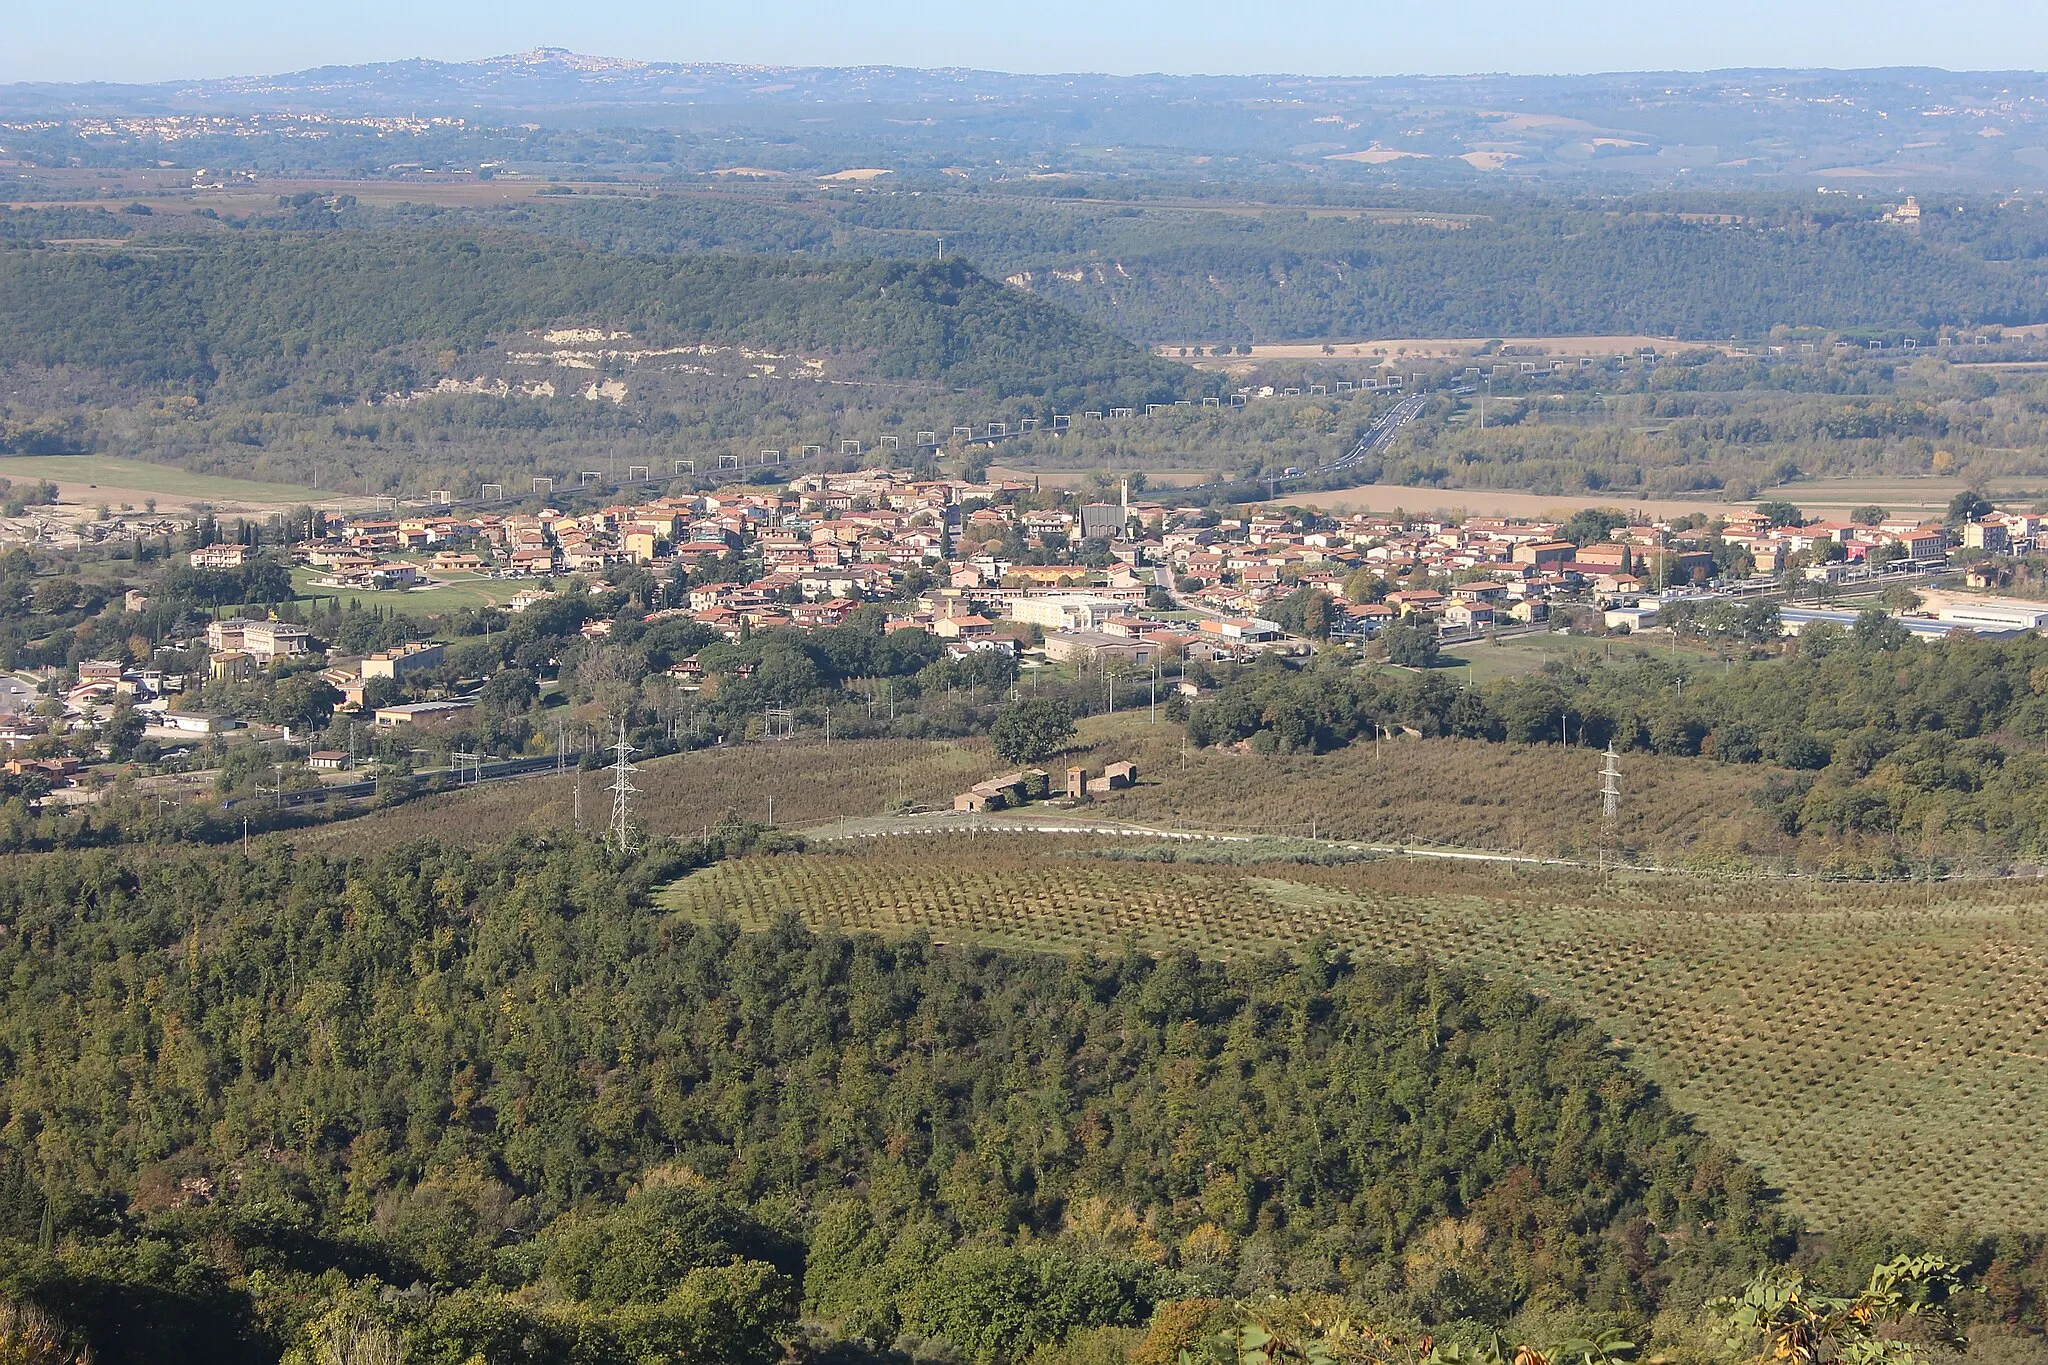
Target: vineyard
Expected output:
[1882,1052]
[686,793]
[1531,798]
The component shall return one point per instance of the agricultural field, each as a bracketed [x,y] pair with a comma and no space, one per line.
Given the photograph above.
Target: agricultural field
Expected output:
[92,479]
[684,794]
[1541,799]
[1879,1052]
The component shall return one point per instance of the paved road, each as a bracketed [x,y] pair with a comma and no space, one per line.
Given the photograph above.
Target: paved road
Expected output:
[16,696]
[1381,433]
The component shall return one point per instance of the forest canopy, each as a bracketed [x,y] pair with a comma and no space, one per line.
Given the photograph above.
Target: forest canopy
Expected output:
[477,1071]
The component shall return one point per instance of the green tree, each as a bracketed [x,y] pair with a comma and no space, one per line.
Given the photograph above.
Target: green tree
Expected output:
[511,690]
[304,701]
[1411,642]
[1031,730]
[1968,506]
[1780,513]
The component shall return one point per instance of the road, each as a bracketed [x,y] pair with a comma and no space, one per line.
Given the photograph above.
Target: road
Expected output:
[1381,433]
[1072,822]
[16,696]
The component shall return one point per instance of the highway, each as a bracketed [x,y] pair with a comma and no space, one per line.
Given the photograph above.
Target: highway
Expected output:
[1379,435]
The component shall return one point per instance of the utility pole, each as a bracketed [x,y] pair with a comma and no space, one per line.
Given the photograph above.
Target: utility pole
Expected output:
[623,791]
[1610,786]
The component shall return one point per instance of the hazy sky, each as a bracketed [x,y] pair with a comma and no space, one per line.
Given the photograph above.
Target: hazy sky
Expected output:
[146,40]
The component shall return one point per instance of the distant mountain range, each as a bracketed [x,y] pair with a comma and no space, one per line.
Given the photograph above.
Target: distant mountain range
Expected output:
[1895,127]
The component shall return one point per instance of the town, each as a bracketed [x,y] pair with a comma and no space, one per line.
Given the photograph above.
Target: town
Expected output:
[1044,587]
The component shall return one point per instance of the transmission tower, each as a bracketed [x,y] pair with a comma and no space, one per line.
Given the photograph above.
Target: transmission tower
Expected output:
[1610,786]
[623,791]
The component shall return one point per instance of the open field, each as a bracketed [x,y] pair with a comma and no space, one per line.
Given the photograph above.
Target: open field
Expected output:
[1877,1051]
[92,479]
[1831,499]
[1393,350]
[1485,661]
[1496,502]
[1540,799]
[449,593]
[684,794]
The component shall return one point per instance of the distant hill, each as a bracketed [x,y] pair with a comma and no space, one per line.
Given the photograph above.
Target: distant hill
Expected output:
[351,313]
[1872,130]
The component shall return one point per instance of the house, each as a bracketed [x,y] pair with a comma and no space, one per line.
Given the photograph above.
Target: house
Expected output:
[400,663]
[1545,552]
[98,671]
[327,760]
[998,793]
[1415,601]
[963,627]
[219,557]
[264,641]
[1925,544]
[1065,611]
[195,723]
[388,717]
[1988,536]
[1468,615]
[56,771]
[231,665]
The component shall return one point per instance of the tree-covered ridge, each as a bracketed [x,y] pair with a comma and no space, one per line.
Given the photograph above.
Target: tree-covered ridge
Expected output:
[1474,266]
[266,310]
[441,1066]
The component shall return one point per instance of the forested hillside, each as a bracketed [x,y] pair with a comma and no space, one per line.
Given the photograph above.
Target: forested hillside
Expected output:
[1471,266]
[342,317]
[235,1085]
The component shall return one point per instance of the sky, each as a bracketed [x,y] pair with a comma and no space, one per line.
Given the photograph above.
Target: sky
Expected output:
[154,40]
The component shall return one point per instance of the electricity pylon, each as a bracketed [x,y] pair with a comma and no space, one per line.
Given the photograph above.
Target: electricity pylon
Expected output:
[620,835]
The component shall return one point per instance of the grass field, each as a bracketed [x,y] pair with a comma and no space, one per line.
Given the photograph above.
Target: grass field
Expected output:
[452,592]
[1881,1053]
[1460,793]
[1541,799]
[1526,653]
[90,479]
[683,794]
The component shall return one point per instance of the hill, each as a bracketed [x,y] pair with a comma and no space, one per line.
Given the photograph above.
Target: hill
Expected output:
[1873,1050]
[335,318]
[1883,127]
[243,1091]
